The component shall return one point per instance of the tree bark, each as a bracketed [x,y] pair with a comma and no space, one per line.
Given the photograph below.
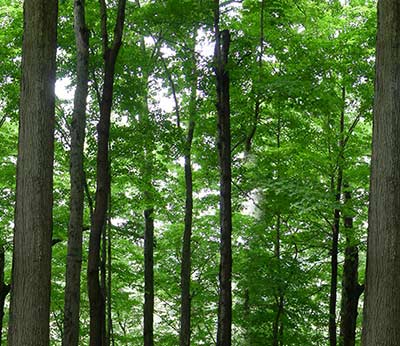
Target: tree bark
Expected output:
[74,252]
[351,290]
[224,330]
[4,290]
[382,295]
[277,328]
[187,234]
[148,277]
[30,292]
[96,295]
[336,228]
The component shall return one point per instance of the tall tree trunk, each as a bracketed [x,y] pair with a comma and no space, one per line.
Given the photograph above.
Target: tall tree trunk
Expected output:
[277,329]
[335,228]
[187,234]
[258,93]
[103,277]
[382,294]
[148,277]
[351,290]
[110,334]
[74,252]
[222,41]
[4,290]
[30,291]
[96,295]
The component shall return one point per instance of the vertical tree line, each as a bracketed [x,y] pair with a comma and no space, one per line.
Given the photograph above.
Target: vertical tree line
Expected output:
[278,90]
[30,291]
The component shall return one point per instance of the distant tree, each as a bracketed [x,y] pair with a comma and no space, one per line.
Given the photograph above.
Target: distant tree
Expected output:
[74,255]
[96,293]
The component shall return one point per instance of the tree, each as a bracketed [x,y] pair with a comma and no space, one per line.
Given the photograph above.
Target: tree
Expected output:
[30,291]
[4,289]
[351,289]
[96,294]
[186,266]
[222,41]
[74,255]
[382,298]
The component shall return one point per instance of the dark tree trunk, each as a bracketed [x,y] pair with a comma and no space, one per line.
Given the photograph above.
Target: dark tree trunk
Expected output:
[4,290]
[74,252]
[96,295]
[187,234]
[277,329]
[336,229]
[334,274]
[110,334]
[258,93]
[382,294]
[224,331]
[30,292]
[103,278]
[148,277]
[351,290]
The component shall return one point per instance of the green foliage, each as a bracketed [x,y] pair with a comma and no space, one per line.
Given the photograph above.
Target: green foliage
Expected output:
[287,86]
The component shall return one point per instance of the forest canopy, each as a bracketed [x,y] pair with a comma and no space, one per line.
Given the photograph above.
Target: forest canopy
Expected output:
[210,165]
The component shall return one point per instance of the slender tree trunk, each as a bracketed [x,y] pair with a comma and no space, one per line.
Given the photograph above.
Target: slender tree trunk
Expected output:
[74,252]
[103,278]
[336,229]
[148,277]
[351,290]
[257,105]
[147,173]
[96,295]
[279,297]
[30,292]
[382,294]
[4,290]
[187,234]
[110,334]
[224,331]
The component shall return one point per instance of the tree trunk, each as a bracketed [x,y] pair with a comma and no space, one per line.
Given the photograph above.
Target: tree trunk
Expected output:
[30,292]
[4,290]
[96,295]
[224,331]
[148,277]
[110,334]
[277,329]
[187,234]
[74,252]
[258,93]
[351,290]
[382,295]
[336,228]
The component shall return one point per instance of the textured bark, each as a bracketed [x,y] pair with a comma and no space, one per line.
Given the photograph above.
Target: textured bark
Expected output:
[382,295]
[30,292]
[187,234]
[224,331]
[351,290]
[74,252]
[148,277]
[96,295]
[4,290]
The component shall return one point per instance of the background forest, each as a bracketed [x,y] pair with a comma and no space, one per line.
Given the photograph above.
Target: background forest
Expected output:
[301,90]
